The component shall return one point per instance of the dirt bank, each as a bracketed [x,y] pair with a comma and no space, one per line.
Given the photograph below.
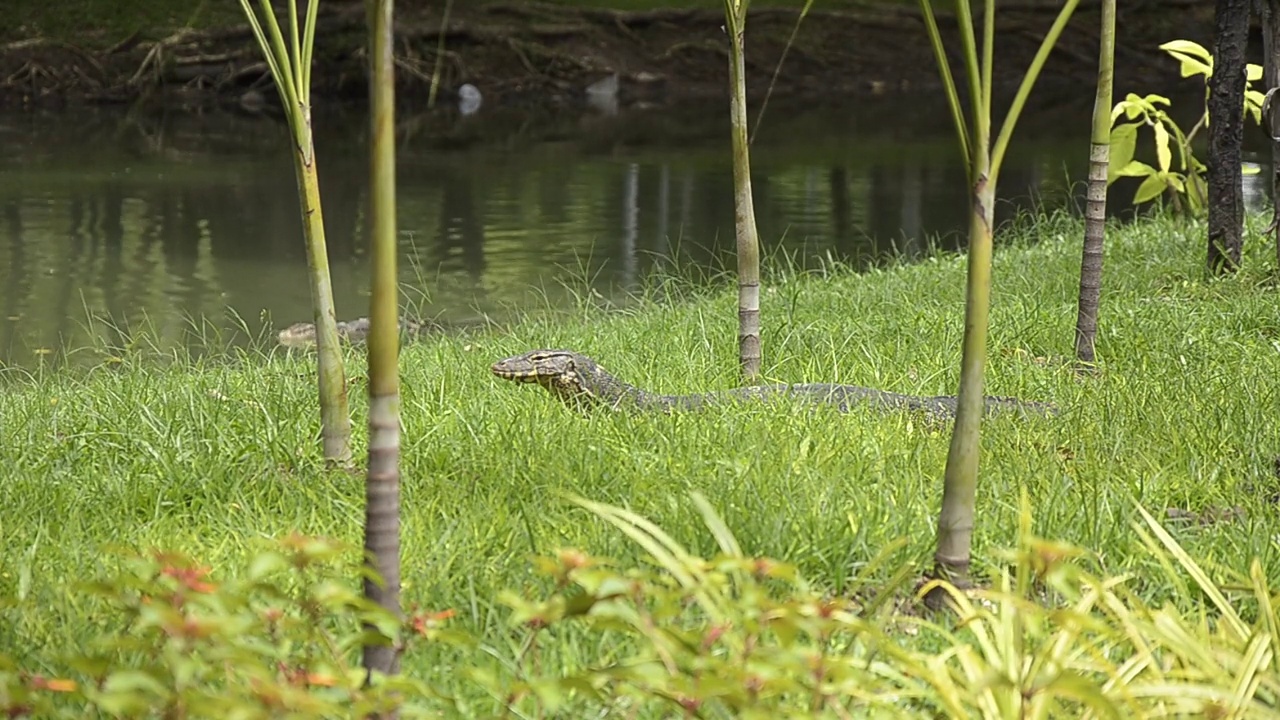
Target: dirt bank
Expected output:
[524,52]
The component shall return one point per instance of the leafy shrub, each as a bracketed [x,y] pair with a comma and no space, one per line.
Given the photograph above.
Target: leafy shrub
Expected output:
[1186,178]
[282,643]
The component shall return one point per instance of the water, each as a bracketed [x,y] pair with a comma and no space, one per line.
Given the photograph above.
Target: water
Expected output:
[179,217]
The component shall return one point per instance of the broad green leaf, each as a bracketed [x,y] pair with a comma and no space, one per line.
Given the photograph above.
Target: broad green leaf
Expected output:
[265,564]
[1149,190]
[1253,104]
[1154,100]
[1164,156]
[1124,140]
[1250,168]
[1197,191]
[1191,67]
[1194,58]
[134,681]
[1188,47]
[1253,72]
[1129,109]
[1133,107]
[1136,168]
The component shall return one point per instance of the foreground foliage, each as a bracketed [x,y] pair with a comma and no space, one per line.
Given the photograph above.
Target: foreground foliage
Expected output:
[728,636]
[281,642]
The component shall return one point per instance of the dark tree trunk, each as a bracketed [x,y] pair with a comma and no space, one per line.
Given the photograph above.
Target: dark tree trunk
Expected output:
[1226,131]
[1096,210]
[1269,14]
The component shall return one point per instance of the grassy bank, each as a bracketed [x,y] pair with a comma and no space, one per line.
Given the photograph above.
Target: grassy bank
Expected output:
[211,457]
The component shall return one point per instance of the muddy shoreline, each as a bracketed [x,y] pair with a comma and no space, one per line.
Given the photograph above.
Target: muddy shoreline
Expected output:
[522,54]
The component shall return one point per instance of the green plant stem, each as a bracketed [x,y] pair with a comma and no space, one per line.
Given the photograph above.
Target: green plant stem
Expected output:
[1024,88]
[958,120]
[960,479]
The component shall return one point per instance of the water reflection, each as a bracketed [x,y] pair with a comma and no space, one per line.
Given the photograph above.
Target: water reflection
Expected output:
[179,217]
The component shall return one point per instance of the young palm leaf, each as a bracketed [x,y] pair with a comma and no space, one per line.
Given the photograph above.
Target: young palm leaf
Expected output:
[983,159]
[290,67]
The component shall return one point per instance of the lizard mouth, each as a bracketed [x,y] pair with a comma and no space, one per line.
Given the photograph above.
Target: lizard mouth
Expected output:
[502,371]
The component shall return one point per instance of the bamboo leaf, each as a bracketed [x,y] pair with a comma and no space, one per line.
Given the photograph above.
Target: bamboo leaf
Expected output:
[291,94]
[1266,608]
[948,82]
[665,550]
[1084,691]
[1256,656]
[1028,81]
[1202,579]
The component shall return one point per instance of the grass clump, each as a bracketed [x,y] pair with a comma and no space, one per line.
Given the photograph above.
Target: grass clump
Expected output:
[211,456]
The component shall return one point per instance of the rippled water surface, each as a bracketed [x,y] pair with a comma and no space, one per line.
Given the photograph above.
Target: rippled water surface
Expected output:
[183,219]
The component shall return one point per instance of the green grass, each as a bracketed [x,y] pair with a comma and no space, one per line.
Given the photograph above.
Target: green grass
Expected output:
[210,456]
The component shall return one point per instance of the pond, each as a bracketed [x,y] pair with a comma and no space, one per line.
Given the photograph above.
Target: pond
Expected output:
[187,222]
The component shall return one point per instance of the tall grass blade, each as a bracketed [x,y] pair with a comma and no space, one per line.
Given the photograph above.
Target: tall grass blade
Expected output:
[723,535]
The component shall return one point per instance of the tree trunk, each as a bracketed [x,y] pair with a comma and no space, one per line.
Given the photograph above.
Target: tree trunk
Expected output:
[1269,15]
[1226,131]
[1096,209]
[382,486]
[748,239]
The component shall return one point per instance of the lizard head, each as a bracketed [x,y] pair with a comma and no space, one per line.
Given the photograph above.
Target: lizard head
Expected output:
[565,373]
